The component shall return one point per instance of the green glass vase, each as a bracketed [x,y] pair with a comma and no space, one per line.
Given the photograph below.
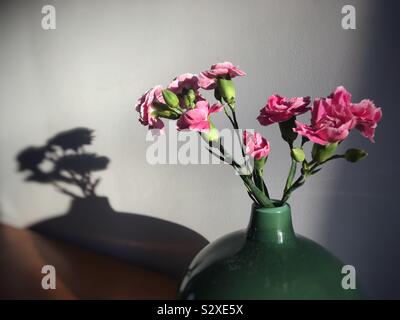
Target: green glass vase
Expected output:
[265,261]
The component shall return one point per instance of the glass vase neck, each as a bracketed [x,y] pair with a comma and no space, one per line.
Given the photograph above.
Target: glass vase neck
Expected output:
[271,224]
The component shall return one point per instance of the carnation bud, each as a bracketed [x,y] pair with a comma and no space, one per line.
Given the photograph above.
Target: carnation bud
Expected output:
[170,98]
[355,155]
[322,153]
[298,155]
[226,90]
[168,114]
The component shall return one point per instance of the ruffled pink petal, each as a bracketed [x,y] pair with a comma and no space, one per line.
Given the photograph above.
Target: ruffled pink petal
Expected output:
[341,96]
[281,109]
[206,83]
[184,81]
[195,119]
[216,107]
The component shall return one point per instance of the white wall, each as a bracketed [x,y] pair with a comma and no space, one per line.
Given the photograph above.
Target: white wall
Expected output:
[105,54]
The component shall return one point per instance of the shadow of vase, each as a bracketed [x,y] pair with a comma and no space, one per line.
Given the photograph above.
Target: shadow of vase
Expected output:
[145,241]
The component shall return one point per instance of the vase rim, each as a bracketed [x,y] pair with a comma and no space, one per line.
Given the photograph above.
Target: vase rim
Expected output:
[284,207]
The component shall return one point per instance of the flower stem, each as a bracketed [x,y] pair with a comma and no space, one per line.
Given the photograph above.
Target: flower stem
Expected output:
[229,117]
[235,125]
[258,180]
[254,192]
[298,183]
[292,172]
[311,168]
[257,174]
[261,198]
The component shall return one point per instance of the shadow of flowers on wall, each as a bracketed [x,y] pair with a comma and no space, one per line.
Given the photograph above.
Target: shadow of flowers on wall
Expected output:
[91,222]
[63,160]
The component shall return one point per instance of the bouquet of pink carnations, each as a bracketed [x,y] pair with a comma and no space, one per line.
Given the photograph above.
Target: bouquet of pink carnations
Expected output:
[332,119]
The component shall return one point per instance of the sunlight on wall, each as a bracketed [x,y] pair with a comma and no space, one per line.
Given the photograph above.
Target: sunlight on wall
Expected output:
[92,68]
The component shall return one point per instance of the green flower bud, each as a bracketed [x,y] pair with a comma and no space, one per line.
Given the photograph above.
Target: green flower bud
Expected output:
[170,98]
[298,155]
[287,132]
[355,155]
[226,89]
[159,106]
[168,114]
[322,153]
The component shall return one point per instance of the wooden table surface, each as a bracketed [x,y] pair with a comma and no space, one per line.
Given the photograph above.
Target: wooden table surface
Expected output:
[80,274]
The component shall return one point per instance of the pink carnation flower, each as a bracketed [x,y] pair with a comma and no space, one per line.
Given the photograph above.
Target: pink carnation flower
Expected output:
[145,107]
[183,82]
[256,145]
[367,116]
[331,119]
[280,109]
[197,119]
[207,79]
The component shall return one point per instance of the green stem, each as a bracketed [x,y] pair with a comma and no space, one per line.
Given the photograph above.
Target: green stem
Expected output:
[336,156]
[257,190]
[257,193]
[298,183]
[312,166]
[259,175]
[229,117]
[292,172]
[223,156]
[265,188]
[236,126]
[254,192]
[258,180]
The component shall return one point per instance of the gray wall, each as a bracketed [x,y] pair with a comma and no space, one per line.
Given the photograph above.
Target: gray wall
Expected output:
[105,54]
